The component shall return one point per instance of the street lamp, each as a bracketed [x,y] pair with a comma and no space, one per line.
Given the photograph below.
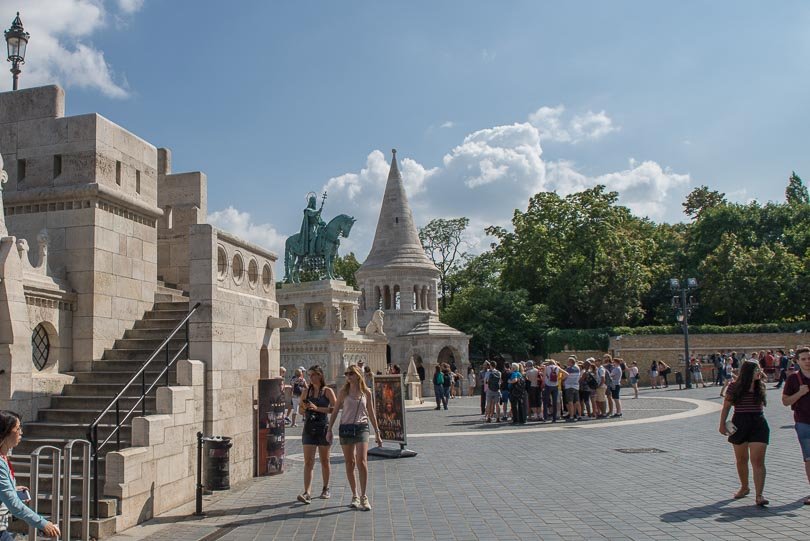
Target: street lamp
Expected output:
[683,303]
[16,41]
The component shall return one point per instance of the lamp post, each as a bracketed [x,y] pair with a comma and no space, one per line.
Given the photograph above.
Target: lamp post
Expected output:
[16,41]
[683,303]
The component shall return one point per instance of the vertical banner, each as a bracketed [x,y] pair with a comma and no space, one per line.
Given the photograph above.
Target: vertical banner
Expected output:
[270,439]
[389,403]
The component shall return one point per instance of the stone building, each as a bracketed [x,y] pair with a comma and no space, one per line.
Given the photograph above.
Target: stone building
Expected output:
[398,278]
[110,224]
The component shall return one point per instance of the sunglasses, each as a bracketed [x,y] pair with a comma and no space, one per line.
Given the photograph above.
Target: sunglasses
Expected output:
[348,373]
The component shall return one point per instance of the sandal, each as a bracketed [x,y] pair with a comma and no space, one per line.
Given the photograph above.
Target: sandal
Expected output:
[762,502]
[742,493]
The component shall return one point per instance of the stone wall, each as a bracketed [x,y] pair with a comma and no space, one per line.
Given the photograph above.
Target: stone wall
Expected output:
[158,473]
[92,186]
[230,333]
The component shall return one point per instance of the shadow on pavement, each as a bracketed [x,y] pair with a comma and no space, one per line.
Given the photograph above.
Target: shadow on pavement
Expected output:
[731,514]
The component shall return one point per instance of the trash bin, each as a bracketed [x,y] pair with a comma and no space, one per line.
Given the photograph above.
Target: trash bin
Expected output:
[217,466]
[679,379]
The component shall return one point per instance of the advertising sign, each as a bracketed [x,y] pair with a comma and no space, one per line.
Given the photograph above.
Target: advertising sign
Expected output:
[270,439]
[389,403]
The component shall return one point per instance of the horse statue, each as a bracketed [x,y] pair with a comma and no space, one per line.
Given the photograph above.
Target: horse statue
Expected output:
[325,248]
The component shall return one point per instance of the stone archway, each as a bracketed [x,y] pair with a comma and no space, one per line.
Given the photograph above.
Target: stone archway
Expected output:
[449,355]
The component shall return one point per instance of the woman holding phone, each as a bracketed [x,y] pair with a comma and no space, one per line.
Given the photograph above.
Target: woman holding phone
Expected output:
[748,430]
[317,401]
[357,406]
[10,437]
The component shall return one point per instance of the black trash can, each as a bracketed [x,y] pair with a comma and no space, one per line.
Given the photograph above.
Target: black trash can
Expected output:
[679,379]
[217,466]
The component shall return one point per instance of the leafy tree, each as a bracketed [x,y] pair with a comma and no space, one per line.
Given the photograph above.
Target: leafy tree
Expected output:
[473,271]
[796,191]
[345,267]
[443,240]
[500,321]
[700,199]
[583,256]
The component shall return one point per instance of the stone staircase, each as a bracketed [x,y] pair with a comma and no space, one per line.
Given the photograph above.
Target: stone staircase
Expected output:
[71,413]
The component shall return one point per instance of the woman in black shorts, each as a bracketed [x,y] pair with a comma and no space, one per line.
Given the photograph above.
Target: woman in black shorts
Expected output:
[317,401]
[748,430]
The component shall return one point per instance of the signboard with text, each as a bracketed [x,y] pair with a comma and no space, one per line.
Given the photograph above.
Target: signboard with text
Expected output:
[389,404]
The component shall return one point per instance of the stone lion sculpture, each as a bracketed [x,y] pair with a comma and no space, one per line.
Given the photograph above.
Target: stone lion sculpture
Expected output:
[375,326]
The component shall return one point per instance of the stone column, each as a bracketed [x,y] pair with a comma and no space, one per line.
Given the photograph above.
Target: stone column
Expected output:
[302,321]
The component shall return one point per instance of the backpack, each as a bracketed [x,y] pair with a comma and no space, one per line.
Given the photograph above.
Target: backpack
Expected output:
[440,379]
[553,376]
[591,380]
[494,381]
[518,388]
[297,388]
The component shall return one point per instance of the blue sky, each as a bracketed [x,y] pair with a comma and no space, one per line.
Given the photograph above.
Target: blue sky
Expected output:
[486,102]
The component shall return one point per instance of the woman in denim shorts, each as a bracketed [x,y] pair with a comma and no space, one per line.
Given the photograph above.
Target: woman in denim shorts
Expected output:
[317,402]
[357,406]
[796,394]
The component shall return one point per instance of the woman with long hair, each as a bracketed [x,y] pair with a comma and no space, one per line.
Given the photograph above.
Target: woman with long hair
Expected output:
[357,406]
[748,431]
[654,375]
[10,437]
[317,401]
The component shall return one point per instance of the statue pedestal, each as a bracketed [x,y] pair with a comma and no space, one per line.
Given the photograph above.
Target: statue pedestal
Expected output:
[324,329]
[414,395]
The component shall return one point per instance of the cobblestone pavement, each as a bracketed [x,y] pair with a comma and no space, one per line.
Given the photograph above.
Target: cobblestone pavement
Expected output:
[493,481]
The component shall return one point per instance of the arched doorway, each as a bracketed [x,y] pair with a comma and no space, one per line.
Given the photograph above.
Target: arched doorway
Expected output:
[448,355]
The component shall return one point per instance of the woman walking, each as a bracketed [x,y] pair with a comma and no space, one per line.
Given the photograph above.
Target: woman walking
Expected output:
[470,381]
[634,377]
[438,387]
[654,375]
[357,406]
[10,436]
[748,431]
[299,384]
[317,402]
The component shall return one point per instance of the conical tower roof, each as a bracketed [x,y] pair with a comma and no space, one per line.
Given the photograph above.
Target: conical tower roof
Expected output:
[396,242]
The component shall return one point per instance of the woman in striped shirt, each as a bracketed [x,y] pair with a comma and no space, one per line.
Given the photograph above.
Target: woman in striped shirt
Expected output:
[748,430]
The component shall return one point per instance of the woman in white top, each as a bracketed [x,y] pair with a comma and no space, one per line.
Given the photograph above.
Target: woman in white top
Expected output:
[357,405]
[470,381]
[634,377]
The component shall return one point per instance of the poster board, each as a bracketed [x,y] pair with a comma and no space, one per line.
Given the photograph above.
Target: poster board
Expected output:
[389,405]
[270,440]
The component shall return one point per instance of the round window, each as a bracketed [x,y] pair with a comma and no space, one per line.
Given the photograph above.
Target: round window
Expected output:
[40,347]
[267,277]
[222,262]
[237,268]
[253,272]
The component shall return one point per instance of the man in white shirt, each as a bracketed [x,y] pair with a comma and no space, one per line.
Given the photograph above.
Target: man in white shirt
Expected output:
[616,381]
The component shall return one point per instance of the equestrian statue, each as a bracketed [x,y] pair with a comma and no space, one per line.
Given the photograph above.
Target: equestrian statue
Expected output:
[315,246]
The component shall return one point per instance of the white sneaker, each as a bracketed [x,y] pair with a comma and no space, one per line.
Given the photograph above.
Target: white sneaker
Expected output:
[365,505]
[355,503]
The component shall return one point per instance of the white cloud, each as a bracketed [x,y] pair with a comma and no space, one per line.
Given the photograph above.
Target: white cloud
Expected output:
[448,124]
[241,224]
[582,127]
[59,50]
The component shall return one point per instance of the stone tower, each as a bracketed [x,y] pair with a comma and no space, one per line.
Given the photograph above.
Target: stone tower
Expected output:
[398,278]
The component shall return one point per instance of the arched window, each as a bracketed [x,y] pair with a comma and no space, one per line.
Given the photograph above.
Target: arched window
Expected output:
[397,300]
[416,298]
[40,347]
[387,298]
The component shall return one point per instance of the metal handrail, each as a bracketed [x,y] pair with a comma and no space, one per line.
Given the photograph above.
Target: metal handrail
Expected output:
[92,430]
[56,455]
[66,491]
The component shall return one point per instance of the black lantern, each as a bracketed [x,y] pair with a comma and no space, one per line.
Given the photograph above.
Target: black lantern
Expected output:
[16,41]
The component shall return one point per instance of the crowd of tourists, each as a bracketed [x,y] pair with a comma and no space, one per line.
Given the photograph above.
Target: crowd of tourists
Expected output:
[548,391]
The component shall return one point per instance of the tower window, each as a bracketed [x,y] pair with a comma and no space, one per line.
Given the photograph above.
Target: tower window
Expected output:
[20,170]
[137,181]
[118,172]
[57,165]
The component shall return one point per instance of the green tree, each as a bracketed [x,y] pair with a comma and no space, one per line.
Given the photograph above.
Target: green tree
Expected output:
[796,191]
[443,241]
[500,321]
[345,267]
[473,271]
[700,199]
[583,256]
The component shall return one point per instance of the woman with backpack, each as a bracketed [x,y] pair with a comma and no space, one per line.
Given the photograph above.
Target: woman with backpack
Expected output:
[438,387]
[447,383]
[748,430]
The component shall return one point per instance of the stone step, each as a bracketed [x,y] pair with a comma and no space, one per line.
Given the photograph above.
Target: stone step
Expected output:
[100,389]
[153,334]
[122,377]
[171,306]
[44,429]
[177,315]
[175,343]
[165,324]
[84,416]
[97,403]
[106,507]
[126,365]
[99,528]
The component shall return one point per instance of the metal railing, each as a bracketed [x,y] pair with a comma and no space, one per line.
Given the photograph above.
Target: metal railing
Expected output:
[92,430]
[56,457]
[68,489]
